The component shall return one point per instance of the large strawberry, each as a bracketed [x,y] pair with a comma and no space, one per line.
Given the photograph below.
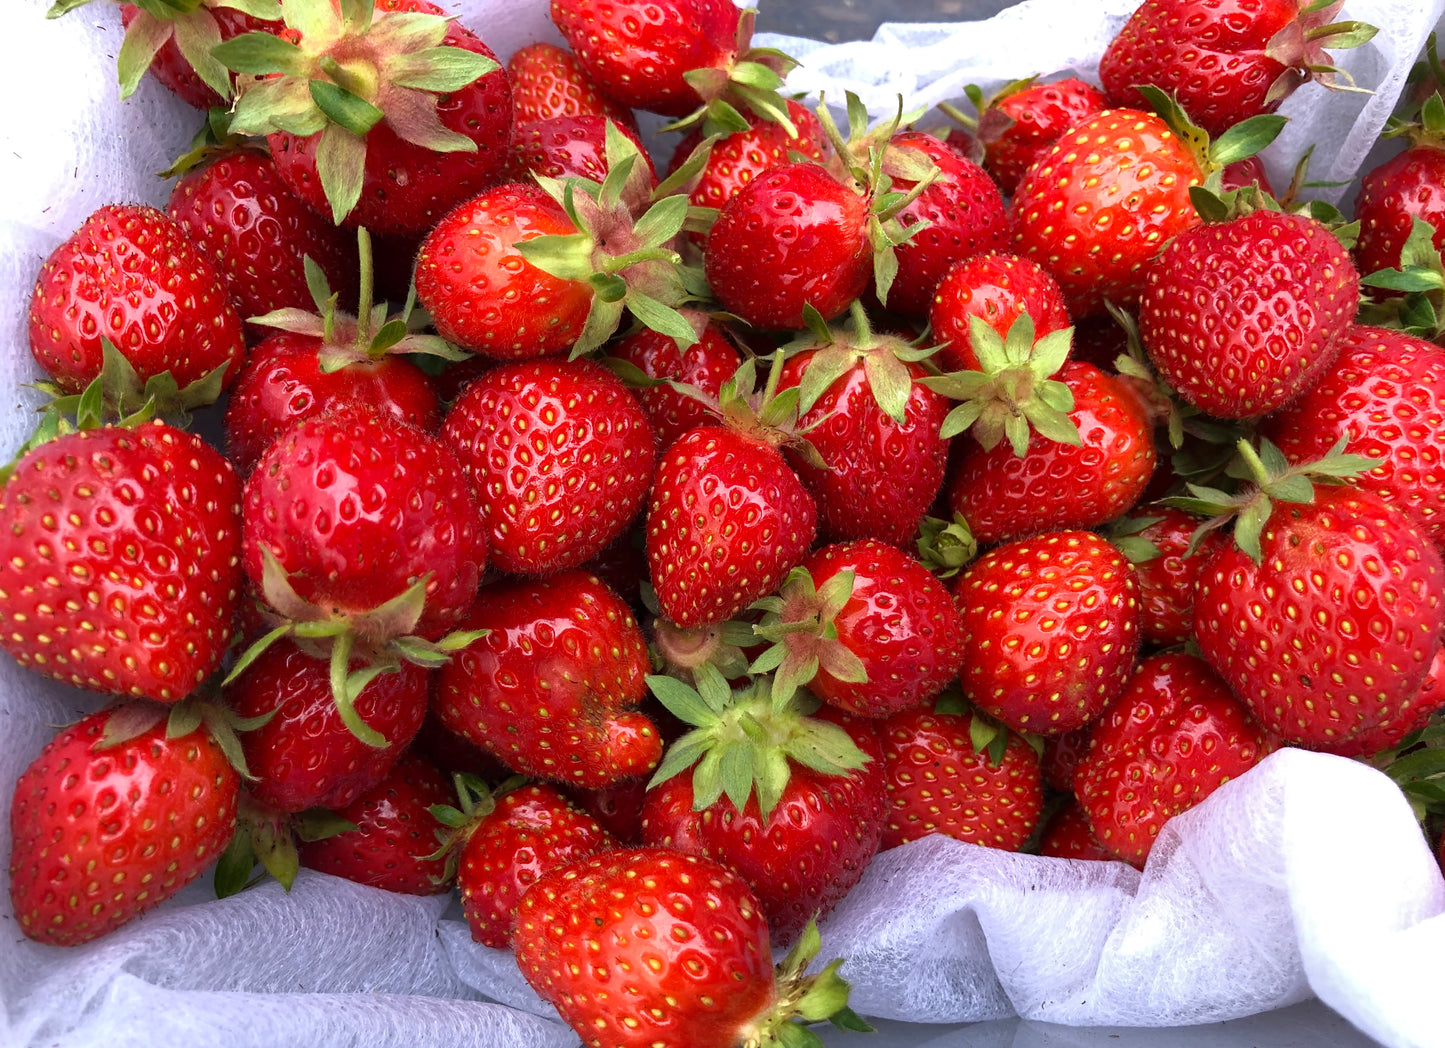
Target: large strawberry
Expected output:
[120,811]
[561,456]
[130,275]
[119,560]
[596,938]
[552,688]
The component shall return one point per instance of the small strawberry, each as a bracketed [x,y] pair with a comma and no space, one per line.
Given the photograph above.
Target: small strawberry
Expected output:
[1023,119]
[567,146]
[1060,757]
[705,365]
[1159,541]
[551,689]
[738,158]
[173,44]
[548,81]
[1172,738]
[999,288]
[120,560]
[1051,630]
[118,813]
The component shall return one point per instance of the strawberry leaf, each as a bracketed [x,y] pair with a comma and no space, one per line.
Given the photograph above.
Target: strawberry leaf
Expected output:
[261,54]
[144,38]
[439,70]
[341,163]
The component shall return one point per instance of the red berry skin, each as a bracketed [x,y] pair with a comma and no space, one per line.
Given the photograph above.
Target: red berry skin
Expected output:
[938,783]
[395,833]
[964,215]
[407,188]
[1059,486]
[240,213]
[532,830]
[640,53]
[479,290]
[171,68]
[1385,395]
[1392,196]
[548,81]
[567,147]
[1061,755]
[552,689]
[1051,630]
[1241,317]
[1020,127]
[706,364]
[1068,836]
[809,852]
[283,381]
[305,756]
[561,455]
[131,275]
[1168,582]
[100,836]
[727,521]
[1097,207]
[1174,737]
[793,236]
[998,288]
[1329,638]
[882,476]
[900,621]
[120,560]
[644,947]
[356,506]
[617,808]
[737,159]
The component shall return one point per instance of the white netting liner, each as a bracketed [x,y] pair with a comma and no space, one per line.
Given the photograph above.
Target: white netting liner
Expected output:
[1306,876]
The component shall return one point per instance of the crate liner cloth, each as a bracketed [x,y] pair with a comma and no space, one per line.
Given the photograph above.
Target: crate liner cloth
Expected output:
[1307,876]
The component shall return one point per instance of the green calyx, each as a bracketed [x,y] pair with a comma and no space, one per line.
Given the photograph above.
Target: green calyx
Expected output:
[802,998]
[1304,44]
[1418,307]
[750,83]
[839,348]
[268,837]
[1014,393]
[353,68]
[945,547]
[743,745]
[1240,142]
[1267,477]
[455,823]
[800,621]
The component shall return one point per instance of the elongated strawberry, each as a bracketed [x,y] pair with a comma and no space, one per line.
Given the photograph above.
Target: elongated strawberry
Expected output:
[130,275]
[119,560]
[1051,630]
[548,81]
[118,813]
[551,690]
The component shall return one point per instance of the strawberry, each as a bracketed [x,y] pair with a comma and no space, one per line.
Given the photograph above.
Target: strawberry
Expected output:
[566,146]
[1240,317]
[394,833]
[1225,60]
[587,940]
[1019,123]
[1003,495]
[705,365]
[172,44]
[315,750]
[1159,542]
[371,147]
[1051,629]
[956,774]
[1407,188]
[616,808]
[1060,757]
[120,560]
[738,158]
[118,813]
[1174,737]
[999,288]
[257,234]
[131,276]
[1385,396]
[561,456]
[551,689]
[865,627]
[548,81]
[1067,835]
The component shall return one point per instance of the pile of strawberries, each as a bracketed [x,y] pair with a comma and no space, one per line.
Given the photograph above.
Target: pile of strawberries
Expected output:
[676,539]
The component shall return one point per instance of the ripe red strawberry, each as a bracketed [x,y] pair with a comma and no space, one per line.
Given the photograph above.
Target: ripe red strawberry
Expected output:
[1385,396]
[1157,541]
[705,365]
[1328,634]
[794,236]
[587,941]
[257,234]
[1051,629]
[311,752]
[565,147]
[111,819]
[130,274]
[1004,496]
[740,157]
[864,627]
[1242,316]
[1225,60]
[999,288]
[1393,195]
[548,81]
[395,839]
[551,690]
[119,560]
[955,774]
[187,71]
[617,808]
[561,456]
[1060,756]
[1174,737]
[1098,206]
[1021,122]
[504,844]
[1067,836]
[428,149]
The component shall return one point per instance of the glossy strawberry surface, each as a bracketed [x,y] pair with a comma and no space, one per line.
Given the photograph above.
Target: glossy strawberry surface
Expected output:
[1169,578]
[1019,127]
[548,81]
[567,147]
[998,288]
[738,158]
[1406,187]
[705,365]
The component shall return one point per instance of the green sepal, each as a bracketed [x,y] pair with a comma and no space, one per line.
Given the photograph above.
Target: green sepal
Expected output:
[1246,138]
[233,869]
[127,721]
[344,109]
[439,70]
[319,824]
[144,38]
[262,54]
[341,164]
